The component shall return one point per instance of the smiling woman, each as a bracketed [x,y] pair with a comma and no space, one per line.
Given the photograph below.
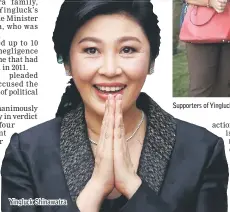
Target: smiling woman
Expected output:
[115,60]
[111,147]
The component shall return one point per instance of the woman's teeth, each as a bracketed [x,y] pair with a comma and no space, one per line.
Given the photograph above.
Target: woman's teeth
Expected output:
[110,89]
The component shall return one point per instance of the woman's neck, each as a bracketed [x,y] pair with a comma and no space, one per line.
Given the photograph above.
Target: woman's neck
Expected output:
[131,119]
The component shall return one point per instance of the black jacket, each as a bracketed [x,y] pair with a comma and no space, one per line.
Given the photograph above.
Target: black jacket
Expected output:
[194,178]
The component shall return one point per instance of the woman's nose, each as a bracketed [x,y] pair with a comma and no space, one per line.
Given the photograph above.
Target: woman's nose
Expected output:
[110,66]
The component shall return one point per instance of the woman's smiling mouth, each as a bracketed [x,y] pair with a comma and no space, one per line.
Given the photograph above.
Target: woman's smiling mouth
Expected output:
[104,89]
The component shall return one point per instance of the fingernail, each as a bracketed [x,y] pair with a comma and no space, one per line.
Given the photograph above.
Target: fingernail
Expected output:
[110,96]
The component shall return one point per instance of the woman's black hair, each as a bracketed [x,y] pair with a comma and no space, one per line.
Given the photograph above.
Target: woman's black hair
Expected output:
[74,13]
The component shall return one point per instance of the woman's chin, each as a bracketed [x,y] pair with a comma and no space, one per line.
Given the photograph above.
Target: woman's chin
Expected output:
[98,108]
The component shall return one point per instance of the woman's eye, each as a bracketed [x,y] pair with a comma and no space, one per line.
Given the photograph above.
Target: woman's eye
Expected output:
[128,50]
[90,50]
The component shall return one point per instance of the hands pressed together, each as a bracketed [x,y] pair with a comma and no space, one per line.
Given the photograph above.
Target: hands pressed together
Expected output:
[218,5]
[113,165]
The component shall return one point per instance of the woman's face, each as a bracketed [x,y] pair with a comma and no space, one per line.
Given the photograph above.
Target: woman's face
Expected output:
[110,54]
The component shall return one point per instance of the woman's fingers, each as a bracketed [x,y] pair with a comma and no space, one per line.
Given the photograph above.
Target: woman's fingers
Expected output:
[103,127]
[105,143]
[110,122]
[119,131]
[221,5]
[218,5]
[103,171]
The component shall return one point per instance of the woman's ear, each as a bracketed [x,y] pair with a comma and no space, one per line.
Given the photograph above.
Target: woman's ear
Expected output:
[67,69]
[151,68]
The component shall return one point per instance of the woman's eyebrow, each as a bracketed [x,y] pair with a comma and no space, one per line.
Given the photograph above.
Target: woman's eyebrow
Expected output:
[119,40]
[93,39]
[128,38]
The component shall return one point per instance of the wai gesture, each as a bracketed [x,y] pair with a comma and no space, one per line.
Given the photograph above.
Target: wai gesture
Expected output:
[126,179]
[113,165]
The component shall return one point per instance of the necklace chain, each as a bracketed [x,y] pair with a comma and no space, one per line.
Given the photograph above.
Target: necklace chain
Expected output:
[134,132]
